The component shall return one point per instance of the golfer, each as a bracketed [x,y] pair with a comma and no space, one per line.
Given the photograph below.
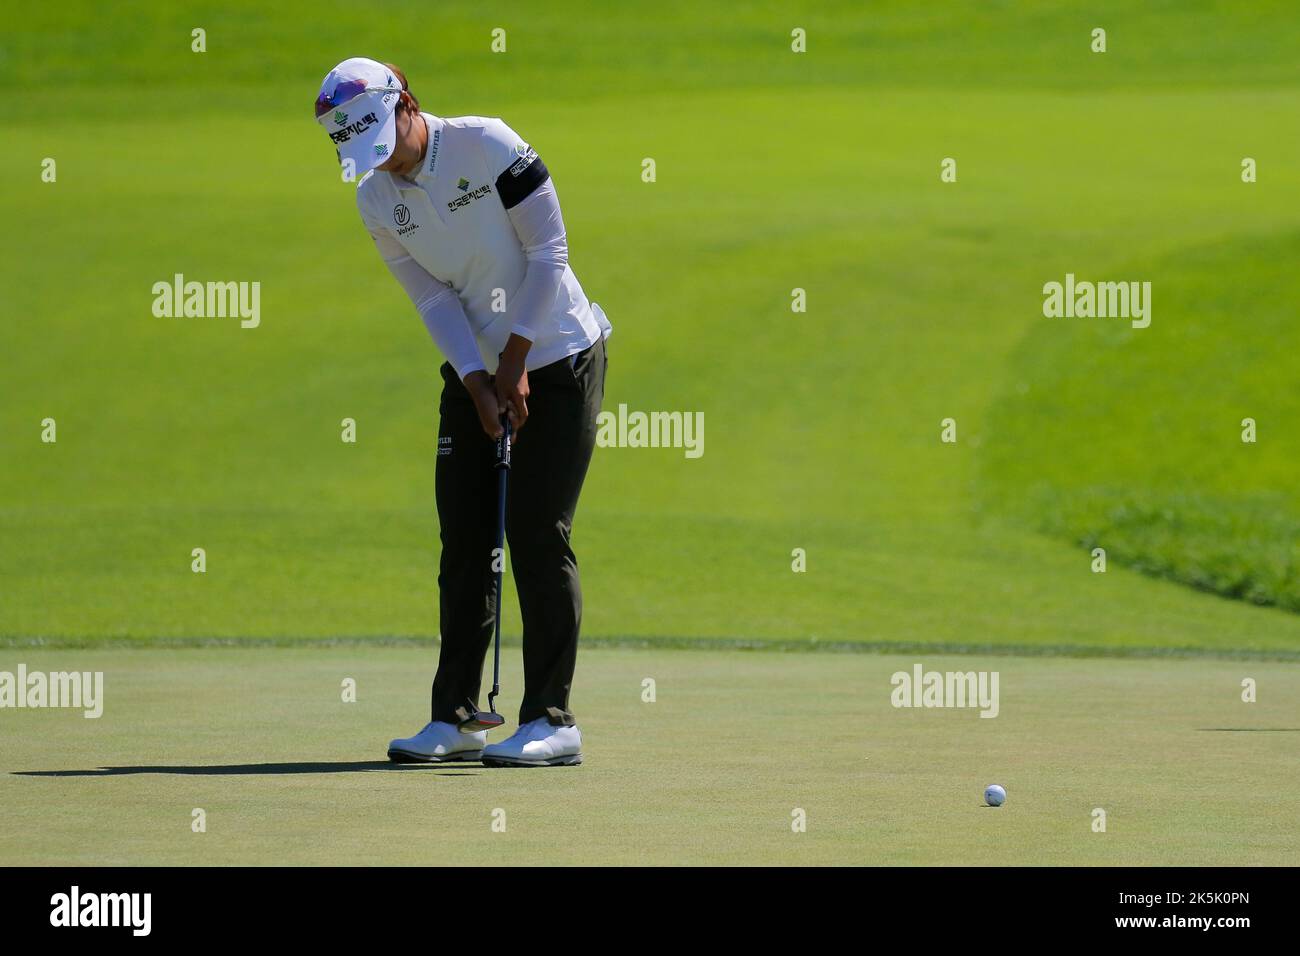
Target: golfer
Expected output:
[465,216]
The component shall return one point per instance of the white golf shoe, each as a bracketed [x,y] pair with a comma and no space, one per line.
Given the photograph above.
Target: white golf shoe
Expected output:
[537,743]
[438,742]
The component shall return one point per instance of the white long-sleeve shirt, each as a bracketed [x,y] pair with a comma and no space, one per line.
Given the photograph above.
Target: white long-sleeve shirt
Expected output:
[477,240]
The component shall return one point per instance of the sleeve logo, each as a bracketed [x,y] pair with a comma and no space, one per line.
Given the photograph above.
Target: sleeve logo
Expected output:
[526,157]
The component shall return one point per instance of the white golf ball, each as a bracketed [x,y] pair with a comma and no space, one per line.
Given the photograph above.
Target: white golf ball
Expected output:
[995,795]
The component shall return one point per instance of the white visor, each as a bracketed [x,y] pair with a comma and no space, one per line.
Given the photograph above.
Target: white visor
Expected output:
[356,105]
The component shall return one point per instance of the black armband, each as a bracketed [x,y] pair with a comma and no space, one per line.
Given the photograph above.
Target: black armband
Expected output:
[522,178]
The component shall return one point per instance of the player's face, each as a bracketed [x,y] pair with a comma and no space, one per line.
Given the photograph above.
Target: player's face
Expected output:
[406,146]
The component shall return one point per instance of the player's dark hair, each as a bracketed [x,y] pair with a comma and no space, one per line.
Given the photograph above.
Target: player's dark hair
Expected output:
[408,100]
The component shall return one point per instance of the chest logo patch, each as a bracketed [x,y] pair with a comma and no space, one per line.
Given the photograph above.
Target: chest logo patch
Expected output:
[470,194]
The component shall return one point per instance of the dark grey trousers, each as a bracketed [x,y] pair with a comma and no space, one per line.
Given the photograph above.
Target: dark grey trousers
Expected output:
[549,464]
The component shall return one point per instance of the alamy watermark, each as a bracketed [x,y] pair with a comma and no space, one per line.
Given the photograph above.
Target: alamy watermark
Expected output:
[626,429]
[75,908]
[922,688]
[1102,300]
[180,299]
[38,689]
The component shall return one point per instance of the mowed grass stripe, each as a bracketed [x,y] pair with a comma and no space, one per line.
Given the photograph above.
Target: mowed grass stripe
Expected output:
[597,642]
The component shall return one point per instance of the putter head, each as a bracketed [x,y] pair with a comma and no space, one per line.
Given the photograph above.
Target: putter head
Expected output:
[481,720]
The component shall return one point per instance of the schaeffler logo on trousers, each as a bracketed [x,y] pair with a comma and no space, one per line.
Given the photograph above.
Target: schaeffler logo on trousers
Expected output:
[75,908]
[74,689]
[651,430]
[179,299]
[922,688]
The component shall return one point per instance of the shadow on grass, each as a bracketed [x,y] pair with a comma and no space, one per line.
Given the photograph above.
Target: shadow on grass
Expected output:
[242,769]
[1250,730]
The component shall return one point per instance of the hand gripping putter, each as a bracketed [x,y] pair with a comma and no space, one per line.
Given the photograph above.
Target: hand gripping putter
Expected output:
[490,719]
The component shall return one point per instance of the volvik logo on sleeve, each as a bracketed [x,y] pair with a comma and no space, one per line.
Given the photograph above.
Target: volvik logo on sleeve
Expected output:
[402,217]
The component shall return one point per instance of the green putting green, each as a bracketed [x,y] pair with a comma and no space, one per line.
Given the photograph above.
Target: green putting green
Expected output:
[712,771]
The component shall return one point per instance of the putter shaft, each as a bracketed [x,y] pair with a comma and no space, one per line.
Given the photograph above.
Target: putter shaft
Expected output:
[503,472]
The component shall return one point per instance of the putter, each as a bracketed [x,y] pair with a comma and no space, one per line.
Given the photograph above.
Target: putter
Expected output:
[490,719]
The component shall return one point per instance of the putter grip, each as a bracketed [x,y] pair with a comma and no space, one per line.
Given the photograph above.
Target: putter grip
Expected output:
[503,445]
